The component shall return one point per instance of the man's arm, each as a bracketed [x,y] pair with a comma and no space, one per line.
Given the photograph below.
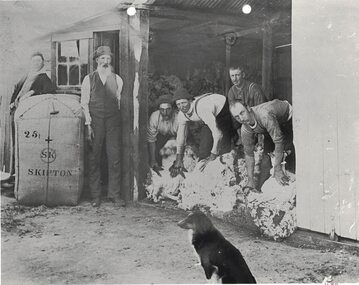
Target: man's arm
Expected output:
[210,121]
[248,147]
[85,99]
[152,133]
[257,96]
[277,136]
[178,167]
[119,90]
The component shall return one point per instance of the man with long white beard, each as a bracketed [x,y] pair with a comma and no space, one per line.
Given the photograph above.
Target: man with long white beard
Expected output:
[100,100]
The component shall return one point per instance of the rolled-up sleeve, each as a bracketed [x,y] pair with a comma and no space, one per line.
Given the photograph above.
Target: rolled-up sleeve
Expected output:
[273,128]
[181,133]
[210,121]
[152,127]
[119,89]
[247,137]
[85,99]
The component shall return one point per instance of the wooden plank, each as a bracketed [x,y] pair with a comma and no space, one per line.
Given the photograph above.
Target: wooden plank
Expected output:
[330,194]
[307,104]
[127,76]
[246,32]
[5,125]
[228,62]
[267,60]
[348,154]
[143,103]
[320,77]
[180,14]
[72,36]
[53,62]
[138,39]
[90,55]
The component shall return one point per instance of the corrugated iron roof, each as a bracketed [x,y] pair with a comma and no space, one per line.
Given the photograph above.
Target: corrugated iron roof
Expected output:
[227,6]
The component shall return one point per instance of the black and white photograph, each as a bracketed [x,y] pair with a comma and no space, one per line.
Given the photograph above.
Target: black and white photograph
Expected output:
[179,141]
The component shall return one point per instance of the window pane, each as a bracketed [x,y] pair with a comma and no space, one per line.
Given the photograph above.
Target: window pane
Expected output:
[69,49]
[62,74]
[59,57]
[83,71]
[74,75]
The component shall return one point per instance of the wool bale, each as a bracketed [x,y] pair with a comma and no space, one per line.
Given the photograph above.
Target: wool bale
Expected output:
[49,150]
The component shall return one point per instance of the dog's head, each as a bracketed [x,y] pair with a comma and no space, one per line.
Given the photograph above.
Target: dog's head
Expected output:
[196,221]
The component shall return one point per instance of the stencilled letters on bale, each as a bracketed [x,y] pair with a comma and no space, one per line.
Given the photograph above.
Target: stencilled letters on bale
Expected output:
[49,172]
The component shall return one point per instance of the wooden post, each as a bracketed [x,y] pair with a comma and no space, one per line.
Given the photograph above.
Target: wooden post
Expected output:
[228,62]
[141,165]
[126,108]
[230,40]
[134,33]
[267,62]
[90,67]
[53,63]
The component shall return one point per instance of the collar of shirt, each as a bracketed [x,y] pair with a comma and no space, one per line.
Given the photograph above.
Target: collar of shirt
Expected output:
[103,73]
[191,109]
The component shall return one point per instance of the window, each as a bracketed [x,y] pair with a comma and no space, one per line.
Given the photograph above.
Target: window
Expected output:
[72,62]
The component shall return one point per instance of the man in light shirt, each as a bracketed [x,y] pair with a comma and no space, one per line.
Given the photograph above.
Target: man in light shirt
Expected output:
[217,130]
[162,126]
[274,120]
[100,100]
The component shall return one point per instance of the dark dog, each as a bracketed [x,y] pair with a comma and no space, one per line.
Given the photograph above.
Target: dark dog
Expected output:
[219,258]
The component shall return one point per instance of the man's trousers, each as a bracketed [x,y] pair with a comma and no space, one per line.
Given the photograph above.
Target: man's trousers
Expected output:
[106,130]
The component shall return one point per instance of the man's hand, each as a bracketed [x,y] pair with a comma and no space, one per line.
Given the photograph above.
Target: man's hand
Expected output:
[90,134]
[156,168]
[281,178]
[178,167]
[203,163]
[12,106]
[250,187]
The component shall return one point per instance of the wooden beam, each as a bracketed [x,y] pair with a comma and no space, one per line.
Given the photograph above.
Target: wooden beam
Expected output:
[246,32]
[228,62]
[53,63]
[181,14]
[267,61]
[90,55]
[141,165]
[126,109]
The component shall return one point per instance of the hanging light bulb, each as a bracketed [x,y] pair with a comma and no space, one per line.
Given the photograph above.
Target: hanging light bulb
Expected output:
[246,9]
[131,11]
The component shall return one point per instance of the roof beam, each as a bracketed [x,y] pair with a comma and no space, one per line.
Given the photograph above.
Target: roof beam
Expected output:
[180,14]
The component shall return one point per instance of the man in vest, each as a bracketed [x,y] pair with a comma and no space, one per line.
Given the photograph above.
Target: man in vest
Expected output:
[216,132]
[274,120]
[100,100]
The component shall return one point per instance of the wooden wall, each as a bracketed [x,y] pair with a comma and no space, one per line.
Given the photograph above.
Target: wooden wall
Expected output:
[326,115]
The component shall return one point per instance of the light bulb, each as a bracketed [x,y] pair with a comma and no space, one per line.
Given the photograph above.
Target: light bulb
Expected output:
[131,11]
[246,9]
